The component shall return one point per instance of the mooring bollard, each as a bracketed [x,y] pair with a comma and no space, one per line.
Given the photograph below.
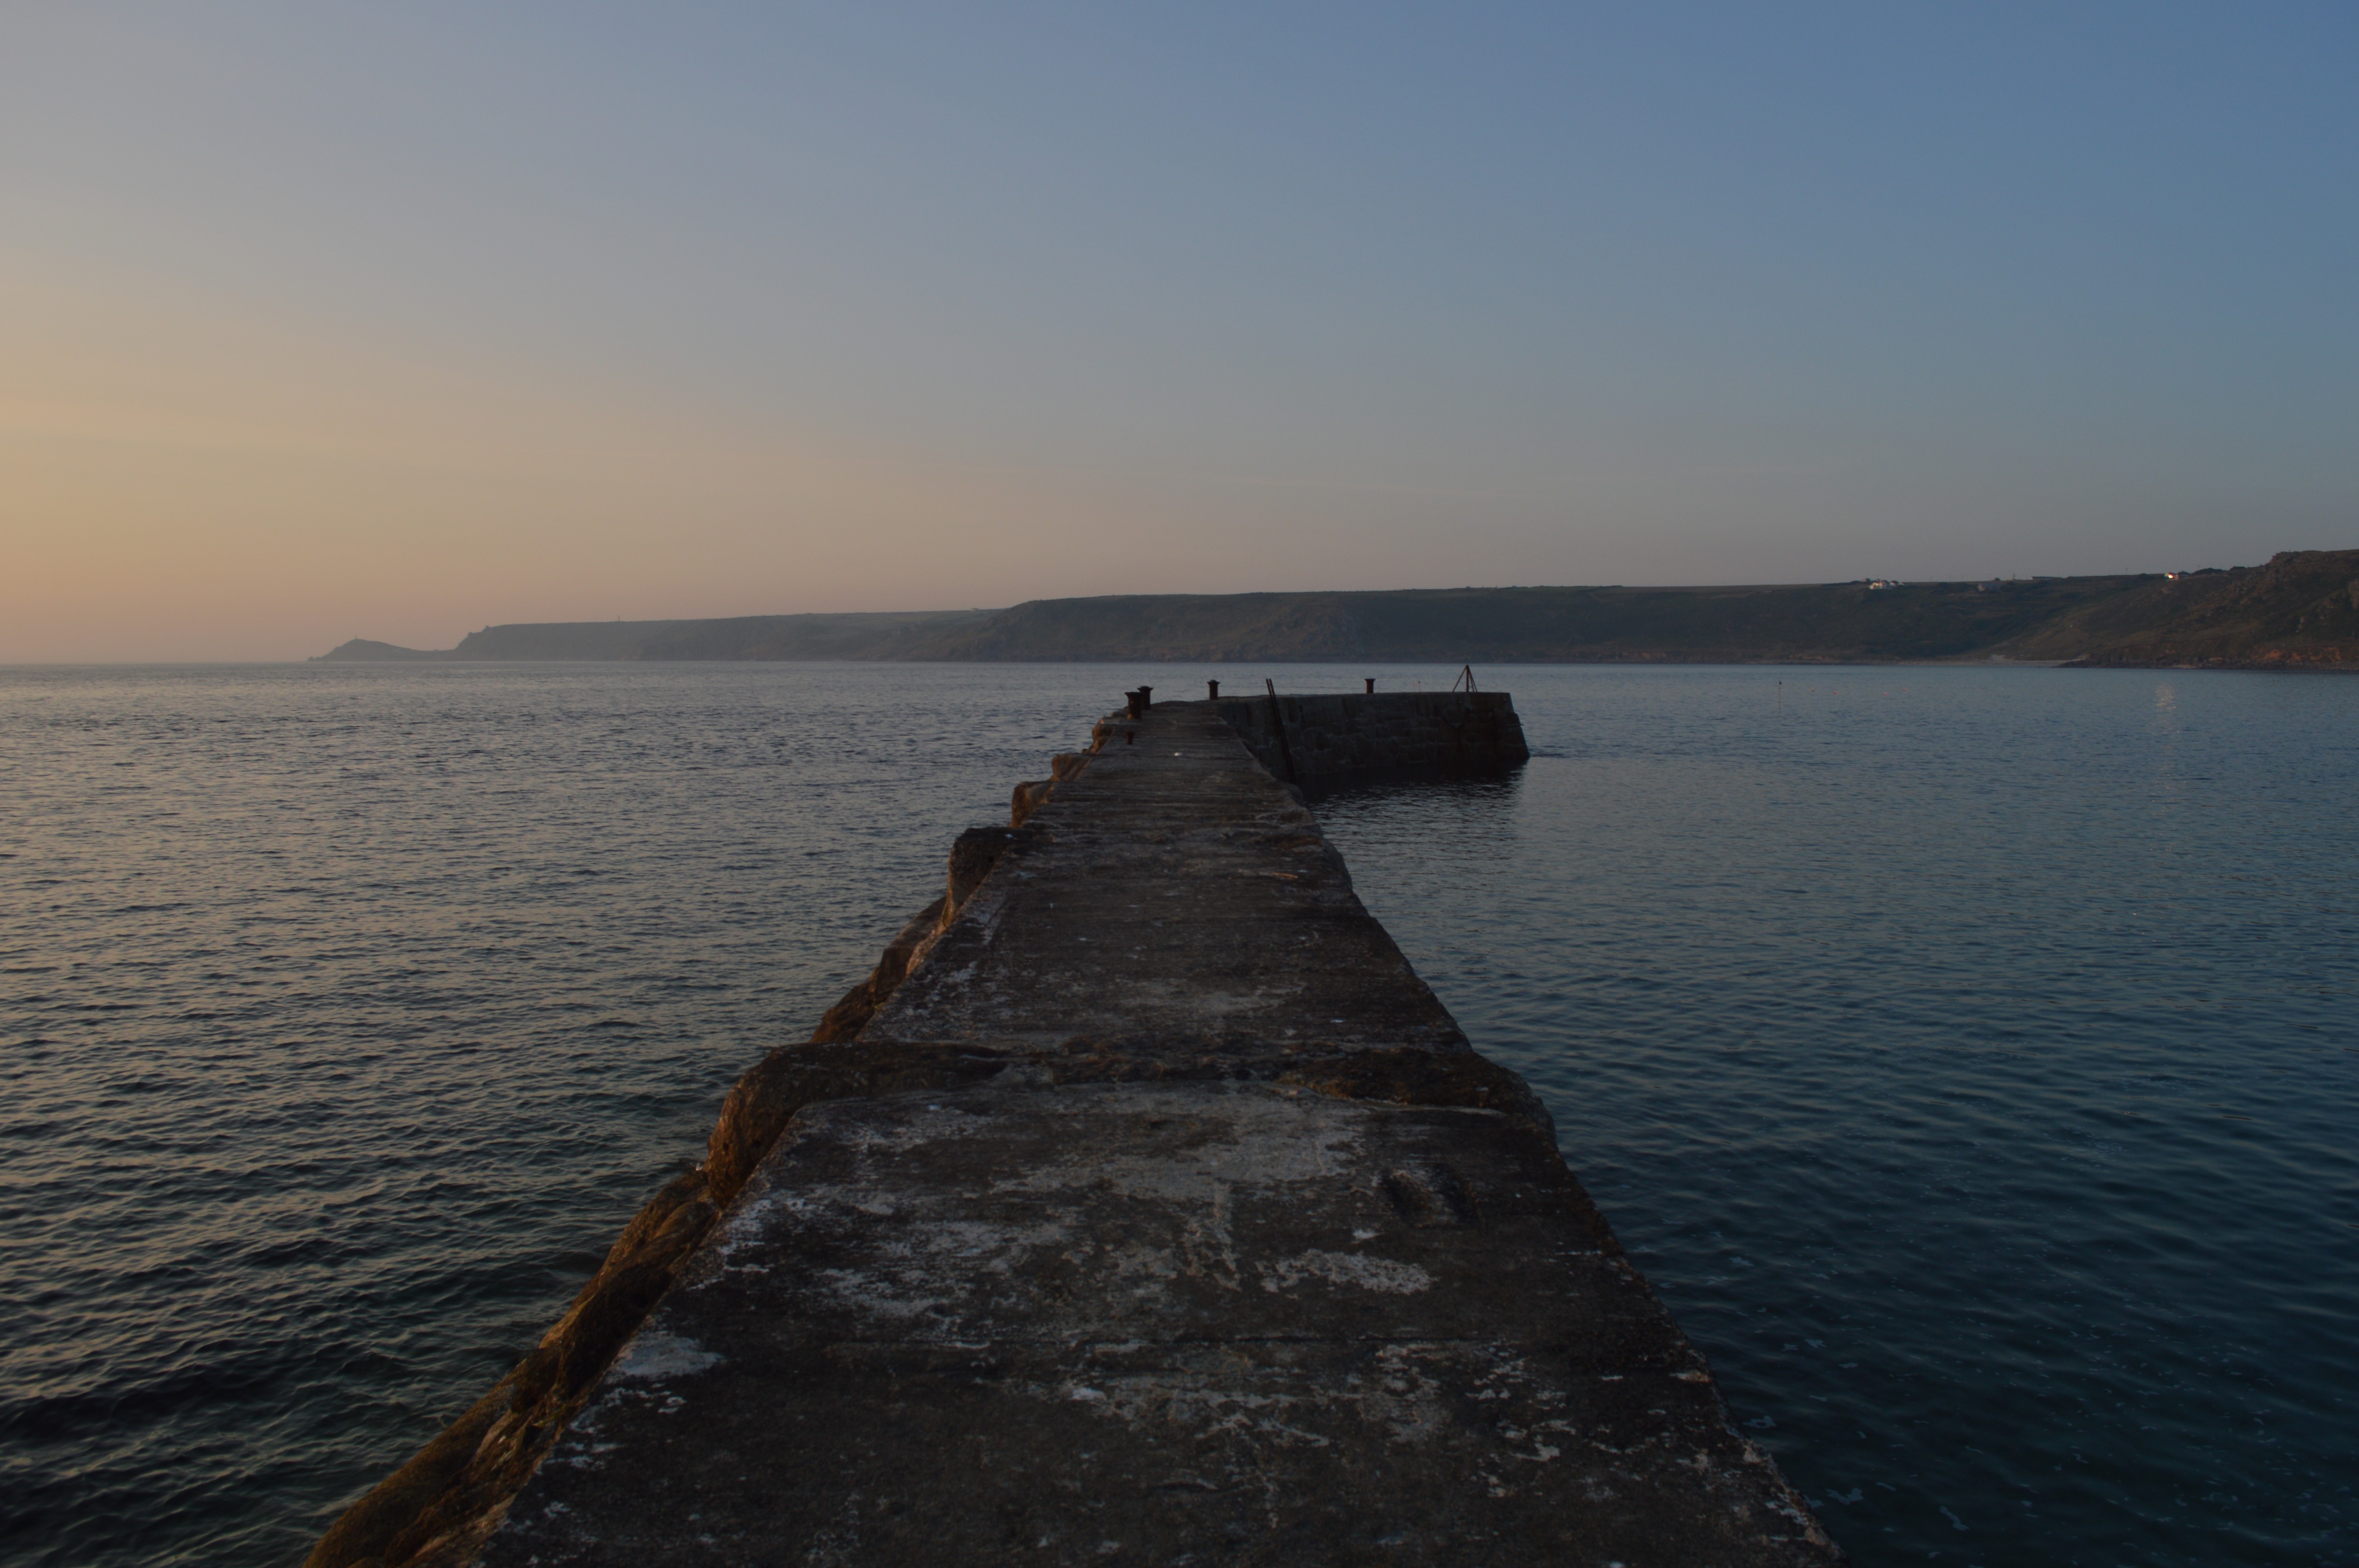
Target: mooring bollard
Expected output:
[1137,700]
[1146,698]
[1372,683]
[1212,691]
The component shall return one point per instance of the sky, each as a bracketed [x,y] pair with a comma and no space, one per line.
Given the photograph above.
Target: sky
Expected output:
[321,320]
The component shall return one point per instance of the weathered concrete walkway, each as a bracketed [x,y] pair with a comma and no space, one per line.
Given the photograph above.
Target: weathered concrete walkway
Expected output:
[1230,1250]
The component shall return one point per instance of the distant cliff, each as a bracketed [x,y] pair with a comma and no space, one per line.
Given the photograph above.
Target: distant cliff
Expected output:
[890,635]
[2300,610]
[1820,622]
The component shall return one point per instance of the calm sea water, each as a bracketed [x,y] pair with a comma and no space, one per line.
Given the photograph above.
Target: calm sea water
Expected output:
[1968,1055]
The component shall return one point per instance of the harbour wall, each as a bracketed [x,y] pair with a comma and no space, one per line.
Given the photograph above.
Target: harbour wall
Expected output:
[1320,740]
[1141,1205]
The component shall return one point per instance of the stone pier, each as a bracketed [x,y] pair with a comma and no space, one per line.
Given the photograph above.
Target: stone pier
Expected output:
[1324,739]
[1145,1207]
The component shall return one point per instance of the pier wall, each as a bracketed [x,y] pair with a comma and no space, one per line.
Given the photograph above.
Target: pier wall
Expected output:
[1338,738]
[1141,1205]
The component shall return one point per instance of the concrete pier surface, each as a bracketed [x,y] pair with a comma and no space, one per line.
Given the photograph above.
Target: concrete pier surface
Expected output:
[1148,1208]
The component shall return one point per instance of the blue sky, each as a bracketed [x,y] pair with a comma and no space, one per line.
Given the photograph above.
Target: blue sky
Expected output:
[323,321]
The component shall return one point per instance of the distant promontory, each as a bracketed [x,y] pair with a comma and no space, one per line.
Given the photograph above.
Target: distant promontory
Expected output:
[2300,611]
